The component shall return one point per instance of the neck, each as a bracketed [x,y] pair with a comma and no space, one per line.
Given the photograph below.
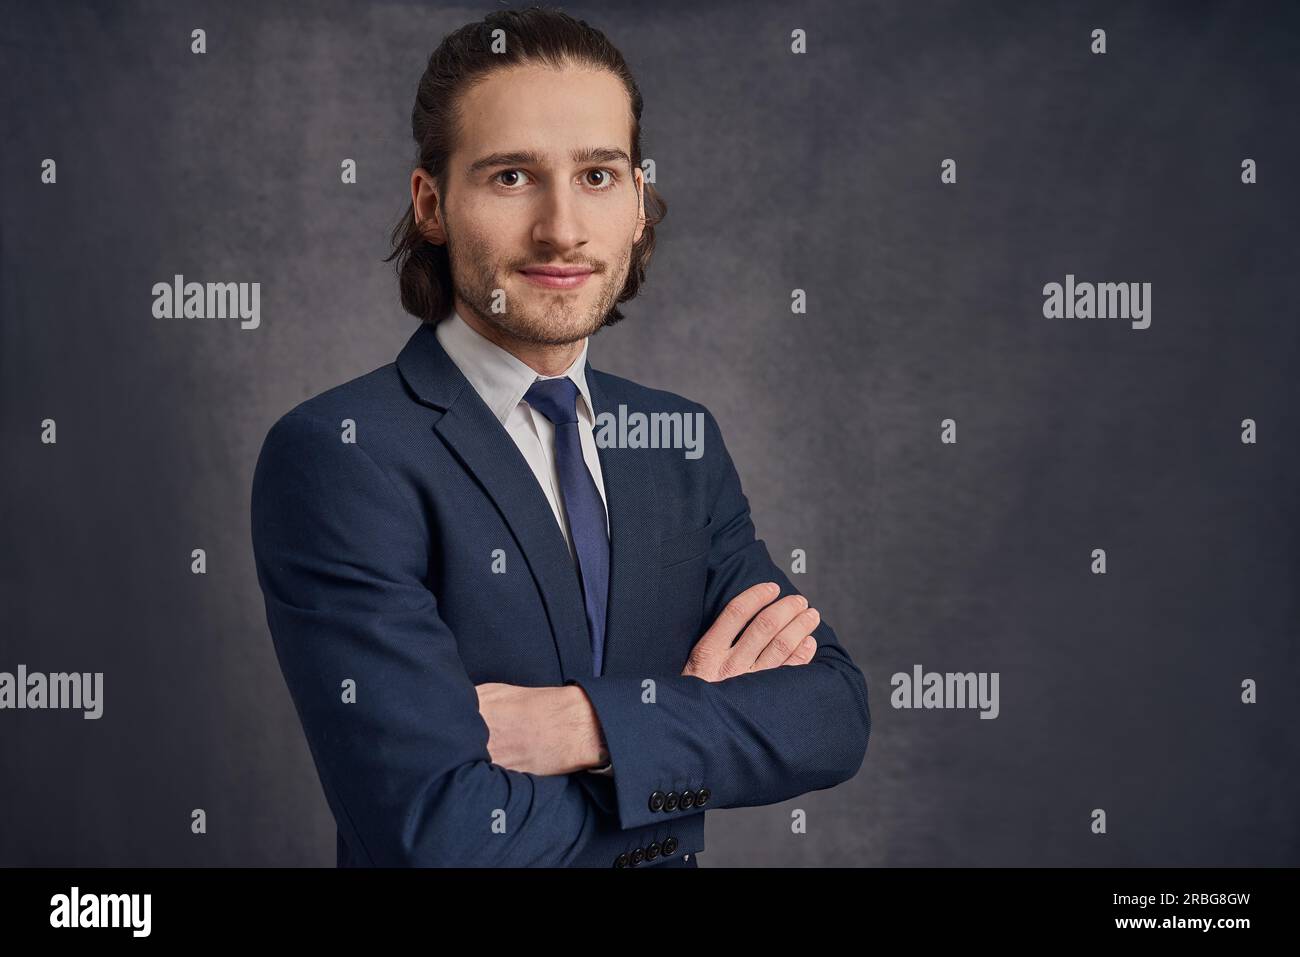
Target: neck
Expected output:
[544,359]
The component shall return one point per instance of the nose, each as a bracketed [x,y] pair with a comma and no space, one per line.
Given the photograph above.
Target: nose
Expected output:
[559,222]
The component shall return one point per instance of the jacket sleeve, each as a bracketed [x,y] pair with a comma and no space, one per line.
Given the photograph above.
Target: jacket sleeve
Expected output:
[757,738]
[390,714]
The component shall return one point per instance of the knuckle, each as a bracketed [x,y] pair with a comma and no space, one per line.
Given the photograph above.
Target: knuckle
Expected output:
[734,612]
[775,617]
[772,619]
[785,647]
[698,660]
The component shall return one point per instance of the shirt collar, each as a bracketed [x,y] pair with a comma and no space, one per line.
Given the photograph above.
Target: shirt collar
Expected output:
[500,378]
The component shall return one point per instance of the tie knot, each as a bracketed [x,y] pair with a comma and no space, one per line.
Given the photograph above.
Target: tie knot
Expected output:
[557,399]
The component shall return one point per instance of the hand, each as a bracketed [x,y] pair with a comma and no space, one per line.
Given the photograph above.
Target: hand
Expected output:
[541,730]
[780,635]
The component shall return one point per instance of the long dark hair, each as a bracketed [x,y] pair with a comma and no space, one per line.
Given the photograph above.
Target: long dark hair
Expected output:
[535,35]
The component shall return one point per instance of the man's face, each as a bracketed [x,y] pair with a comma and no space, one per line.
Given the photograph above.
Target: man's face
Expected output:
[505,214]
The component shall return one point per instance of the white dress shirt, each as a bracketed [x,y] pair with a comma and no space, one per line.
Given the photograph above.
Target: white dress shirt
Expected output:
[501,379]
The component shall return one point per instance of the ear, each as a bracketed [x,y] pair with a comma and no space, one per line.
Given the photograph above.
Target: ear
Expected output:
[640,206]
[427,206]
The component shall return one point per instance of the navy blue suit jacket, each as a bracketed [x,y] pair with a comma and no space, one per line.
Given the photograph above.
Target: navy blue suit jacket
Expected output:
[376,560]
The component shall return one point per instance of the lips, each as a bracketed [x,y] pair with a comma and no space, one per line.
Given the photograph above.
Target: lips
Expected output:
[556,277]
[556,270]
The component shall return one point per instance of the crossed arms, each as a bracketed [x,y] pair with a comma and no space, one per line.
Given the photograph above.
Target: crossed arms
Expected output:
[557,731]
[342,558]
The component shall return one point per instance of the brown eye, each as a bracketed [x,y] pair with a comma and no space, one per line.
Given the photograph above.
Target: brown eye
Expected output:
[609,178]
[509,172]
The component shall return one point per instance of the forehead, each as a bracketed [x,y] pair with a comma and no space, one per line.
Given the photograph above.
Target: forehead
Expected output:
[549,110]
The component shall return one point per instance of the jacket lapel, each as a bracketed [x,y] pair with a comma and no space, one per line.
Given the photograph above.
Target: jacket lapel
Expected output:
[487,451]
[632,497]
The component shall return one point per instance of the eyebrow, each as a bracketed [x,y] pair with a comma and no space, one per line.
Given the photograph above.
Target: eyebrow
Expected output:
[587,154]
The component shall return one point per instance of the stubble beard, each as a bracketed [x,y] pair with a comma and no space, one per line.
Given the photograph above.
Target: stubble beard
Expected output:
[533,314]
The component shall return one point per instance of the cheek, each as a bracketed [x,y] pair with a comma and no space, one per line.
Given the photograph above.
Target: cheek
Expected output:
[616,233]
[484,226]
[478,242]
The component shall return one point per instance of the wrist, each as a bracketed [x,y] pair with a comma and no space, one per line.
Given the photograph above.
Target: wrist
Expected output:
[583,731]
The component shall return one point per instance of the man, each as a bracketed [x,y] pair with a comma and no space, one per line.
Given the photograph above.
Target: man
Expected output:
[510,642]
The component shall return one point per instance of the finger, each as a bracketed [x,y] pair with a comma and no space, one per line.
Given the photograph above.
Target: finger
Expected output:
[765,626]
[716,642]
[785,642]
[805,653]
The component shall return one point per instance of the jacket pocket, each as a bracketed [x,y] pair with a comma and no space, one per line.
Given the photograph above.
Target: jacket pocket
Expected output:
[684,547]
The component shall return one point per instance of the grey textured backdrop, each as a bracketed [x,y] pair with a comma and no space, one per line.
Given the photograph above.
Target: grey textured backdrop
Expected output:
[819,172]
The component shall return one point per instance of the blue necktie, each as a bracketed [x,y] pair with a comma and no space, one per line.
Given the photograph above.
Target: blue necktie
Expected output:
[557,399]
